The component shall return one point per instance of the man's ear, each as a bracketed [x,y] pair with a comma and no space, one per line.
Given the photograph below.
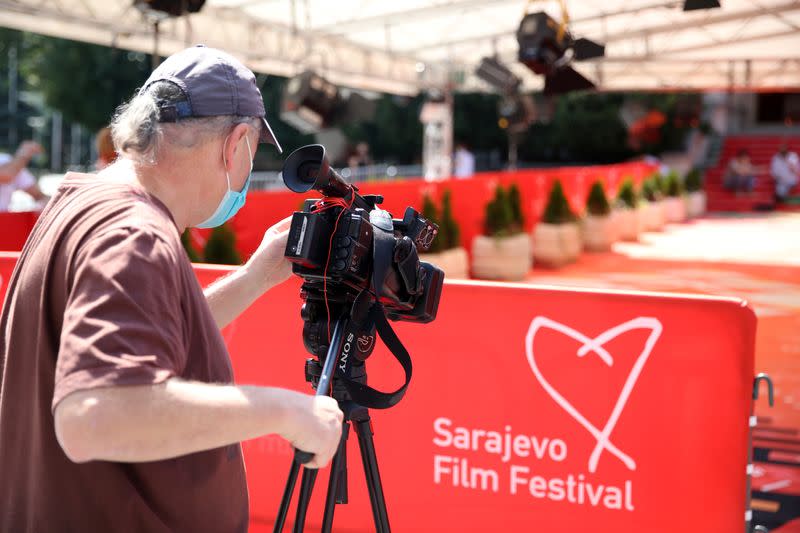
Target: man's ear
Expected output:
[233,144]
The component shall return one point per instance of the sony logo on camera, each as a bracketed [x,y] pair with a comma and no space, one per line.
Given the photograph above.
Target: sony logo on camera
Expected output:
[348,344]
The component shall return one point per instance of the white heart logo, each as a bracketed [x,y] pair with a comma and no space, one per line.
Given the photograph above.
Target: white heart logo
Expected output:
[596,345]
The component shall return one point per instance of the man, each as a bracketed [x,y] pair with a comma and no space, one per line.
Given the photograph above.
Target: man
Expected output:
[740,175]
[785,170]
[117,408]
[14,176]
[463,162]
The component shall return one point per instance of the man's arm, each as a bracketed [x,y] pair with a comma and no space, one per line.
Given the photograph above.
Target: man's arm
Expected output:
[229,296]
[36,192]
[174,418]
[8,171]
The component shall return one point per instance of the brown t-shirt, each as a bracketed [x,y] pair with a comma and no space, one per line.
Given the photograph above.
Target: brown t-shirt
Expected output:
[103,295]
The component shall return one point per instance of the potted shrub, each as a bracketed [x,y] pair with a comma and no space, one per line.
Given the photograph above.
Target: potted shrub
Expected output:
[186,241]
[221,247]
[674,204]
[653,209]
[557,237]
[599,228]
[695,196]
[629,214]
[504,251]
[446,252]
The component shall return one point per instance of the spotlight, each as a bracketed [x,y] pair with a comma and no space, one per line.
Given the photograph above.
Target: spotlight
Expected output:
[547,48]
[516,112]
[173,8]
[692,5]
[499,76]
[311,103]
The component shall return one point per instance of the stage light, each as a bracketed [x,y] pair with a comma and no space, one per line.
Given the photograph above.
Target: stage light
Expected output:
[516,112]
[311,103]
[174,8]
[692,5]
[547,48]
[499,76]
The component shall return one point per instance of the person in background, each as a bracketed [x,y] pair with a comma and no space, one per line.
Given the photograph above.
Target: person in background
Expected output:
[785,170]
[359,158]
[106,153]
[463,161]
[741,173]
[14,176]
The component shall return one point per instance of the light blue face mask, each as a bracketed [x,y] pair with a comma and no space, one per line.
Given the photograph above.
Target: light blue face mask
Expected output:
[232,201]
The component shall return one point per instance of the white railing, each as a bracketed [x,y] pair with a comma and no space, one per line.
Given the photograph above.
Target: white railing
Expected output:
[267,181]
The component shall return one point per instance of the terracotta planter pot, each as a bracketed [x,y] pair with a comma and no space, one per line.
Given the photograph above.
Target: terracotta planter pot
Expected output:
[556,244]
[653,216]
[501,258]
[599,232]
[675,209]
[454,262]
[695,204]
[629,223]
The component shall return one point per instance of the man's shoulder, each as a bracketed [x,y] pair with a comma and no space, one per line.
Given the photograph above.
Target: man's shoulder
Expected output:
[91,208]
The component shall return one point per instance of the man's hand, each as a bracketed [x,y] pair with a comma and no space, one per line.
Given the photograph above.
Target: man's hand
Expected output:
[28,149]
[268,264]
[229,296]
[317,429]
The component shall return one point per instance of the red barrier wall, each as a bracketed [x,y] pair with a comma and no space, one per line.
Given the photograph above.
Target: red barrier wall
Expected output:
[14,229]
[561,410]
[470,197]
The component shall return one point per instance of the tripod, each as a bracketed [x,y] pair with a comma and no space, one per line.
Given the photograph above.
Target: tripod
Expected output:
[358,416]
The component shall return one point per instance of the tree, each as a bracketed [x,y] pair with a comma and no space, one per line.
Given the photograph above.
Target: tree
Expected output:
[85,82]
[499,216]
[186,241]
[627,194]
[449,226]
[597,203]
[221,247]
[558,210]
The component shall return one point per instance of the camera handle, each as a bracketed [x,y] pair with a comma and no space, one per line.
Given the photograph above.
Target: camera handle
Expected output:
[301,457]
[356,415]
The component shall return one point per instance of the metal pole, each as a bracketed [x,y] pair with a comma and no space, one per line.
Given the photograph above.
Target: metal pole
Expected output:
[155,59]
[13,67]
[56,143]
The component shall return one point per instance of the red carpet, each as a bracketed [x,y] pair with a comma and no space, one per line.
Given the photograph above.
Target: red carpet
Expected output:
[756,258]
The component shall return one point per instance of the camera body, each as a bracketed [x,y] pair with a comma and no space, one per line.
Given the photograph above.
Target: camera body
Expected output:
[335,246]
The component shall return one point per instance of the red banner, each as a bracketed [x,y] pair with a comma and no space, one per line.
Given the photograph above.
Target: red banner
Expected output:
[14,229]
[532,409]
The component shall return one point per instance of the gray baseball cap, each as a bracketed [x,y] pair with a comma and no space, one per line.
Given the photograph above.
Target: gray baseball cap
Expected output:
[215,83]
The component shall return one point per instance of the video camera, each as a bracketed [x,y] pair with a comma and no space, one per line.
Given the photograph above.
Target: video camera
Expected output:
[343,245]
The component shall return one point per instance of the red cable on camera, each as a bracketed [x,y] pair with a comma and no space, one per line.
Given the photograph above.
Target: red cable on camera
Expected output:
[323,205]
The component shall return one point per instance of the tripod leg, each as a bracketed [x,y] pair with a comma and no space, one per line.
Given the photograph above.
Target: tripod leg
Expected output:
[287,497]
[338,470]
[370,460]
[306,486]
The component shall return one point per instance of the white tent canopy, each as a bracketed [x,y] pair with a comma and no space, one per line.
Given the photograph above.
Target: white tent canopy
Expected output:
[402,47]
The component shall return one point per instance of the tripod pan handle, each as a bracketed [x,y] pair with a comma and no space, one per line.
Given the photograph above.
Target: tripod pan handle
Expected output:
[301,457]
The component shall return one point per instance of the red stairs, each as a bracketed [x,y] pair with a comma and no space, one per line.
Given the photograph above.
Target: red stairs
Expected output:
[761,149]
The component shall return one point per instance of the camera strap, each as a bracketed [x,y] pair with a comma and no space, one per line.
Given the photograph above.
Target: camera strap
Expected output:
[362,394]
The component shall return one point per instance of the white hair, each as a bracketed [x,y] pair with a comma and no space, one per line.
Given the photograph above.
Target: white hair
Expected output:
[139,135]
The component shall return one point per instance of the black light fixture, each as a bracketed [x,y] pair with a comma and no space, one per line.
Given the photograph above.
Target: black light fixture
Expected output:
[548,49]
[516,112]
[311,103]
[693,5]
[499,76]
[173,8]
